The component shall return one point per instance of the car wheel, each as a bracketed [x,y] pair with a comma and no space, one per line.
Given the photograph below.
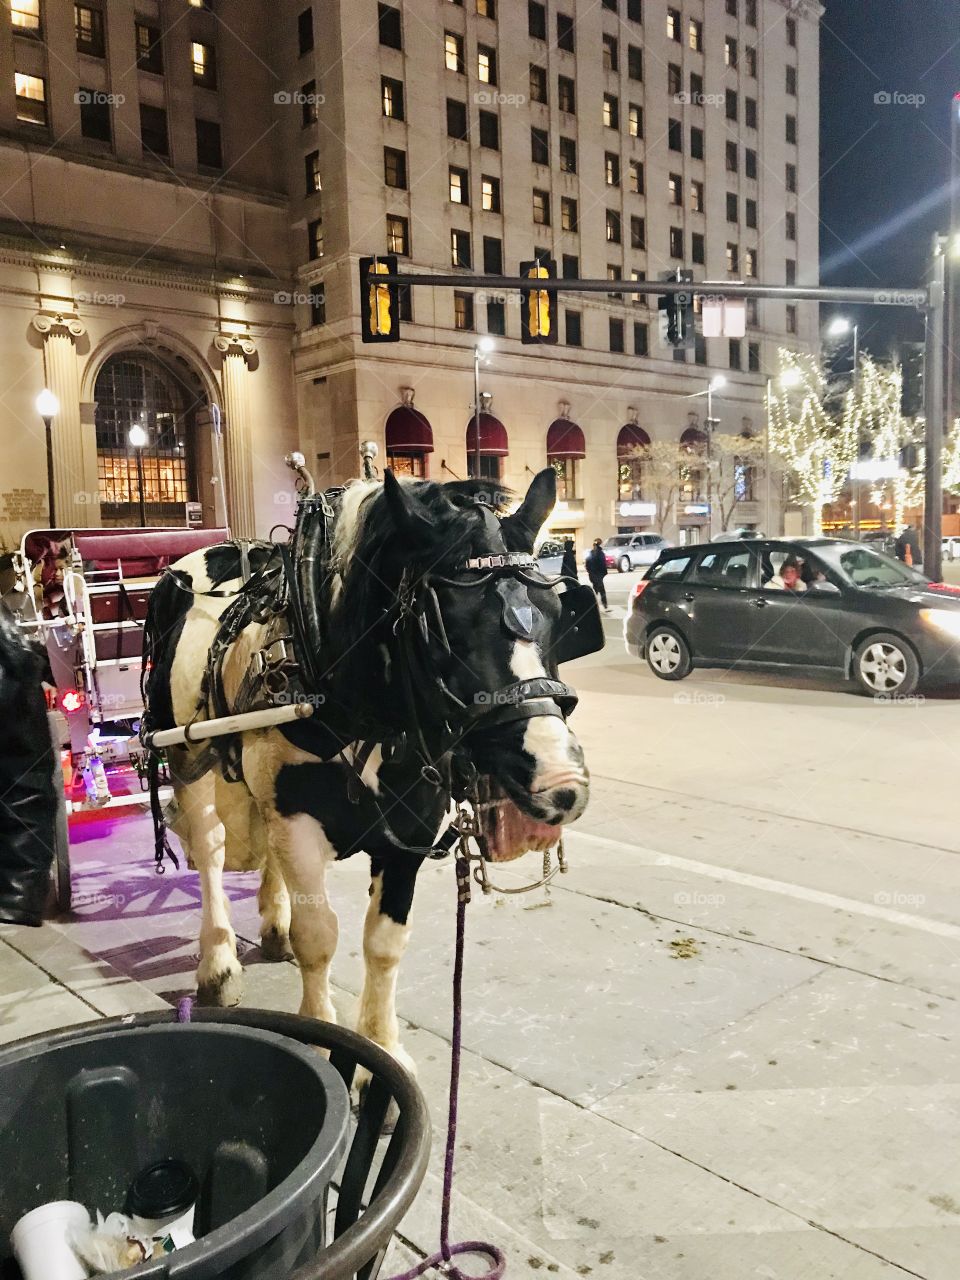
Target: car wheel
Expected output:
[668,654]
[886,666]
[624,565]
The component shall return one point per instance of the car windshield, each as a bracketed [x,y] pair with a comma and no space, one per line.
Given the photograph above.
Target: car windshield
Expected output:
[870,569]
[622,540]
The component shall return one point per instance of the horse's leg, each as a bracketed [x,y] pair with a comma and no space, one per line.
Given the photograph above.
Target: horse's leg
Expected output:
[274,903]
[385,933]
[219,974]
[302,855]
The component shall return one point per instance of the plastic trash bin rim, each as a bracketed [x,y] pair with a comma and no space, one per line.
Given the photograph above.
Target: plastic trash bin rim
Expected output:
[256,1226]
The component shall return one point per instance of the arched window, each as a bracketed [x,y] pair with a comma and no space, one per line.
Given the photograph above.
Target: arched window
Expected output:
[409,438]
[160,396]
[693,465]
[565,448]
[629,463]
[493,447]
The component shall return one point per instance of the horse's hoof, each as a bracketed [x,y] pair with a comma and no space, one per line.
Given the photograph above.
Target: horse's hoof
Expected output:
[221,992]
[275,946]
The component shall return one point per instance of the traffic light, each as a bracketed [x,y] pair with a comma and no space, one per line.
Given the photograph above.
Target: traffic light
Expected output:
[538,307]
[678,308]
[379,303]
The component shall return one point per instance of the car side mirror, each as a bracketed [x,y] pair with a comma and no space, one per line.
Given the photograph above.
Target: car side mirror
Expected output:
[823,588]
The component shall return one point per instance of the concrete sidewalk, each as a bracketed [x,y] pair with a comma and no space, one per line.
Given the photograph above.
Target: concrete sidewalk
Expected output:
[726,1047]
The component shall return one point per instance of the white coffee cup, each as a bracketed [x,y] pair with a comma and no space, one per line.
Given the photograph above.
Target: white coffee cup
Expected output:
[40,1241]
[179,1227]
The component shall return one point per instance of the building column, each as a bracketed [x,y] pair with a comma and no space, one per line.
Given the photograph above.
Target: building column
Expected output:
[238,351]
[74,475]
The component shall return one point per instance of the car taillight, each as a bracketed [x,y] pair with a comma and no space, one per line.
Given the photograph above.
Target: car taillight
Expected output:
[639,588]
[72,700]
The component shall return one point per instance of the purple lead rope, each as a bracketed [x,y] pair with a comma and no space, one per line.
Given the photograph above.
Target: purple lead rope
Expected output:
[443,1257]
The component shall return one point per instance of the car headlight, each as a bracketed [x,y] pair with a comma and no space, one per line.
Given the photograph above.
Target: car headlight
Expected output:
[943,619]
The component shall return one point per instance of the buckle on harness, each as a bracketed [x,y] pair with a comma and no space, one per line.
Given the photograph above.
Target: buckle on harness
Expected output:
[274,655]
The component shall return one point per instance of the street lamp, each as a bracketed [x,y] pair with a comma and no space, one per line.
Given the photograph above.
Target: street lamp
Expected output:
[48,406]
[137,438]
[840,325]
[483,348]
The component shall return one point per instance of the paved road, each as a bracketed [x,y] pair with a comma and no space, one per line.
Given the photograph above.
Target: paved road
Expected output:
[727,1047]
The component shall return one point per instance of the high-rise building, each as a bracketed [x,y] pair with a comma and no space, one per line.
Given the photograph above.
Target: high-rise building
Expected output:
[187,188]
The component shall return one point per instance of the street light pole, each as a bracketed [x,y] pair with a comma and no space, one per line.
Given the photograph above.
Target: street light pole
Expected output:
[934,412]
[138,438]
[483,347]
[48,406]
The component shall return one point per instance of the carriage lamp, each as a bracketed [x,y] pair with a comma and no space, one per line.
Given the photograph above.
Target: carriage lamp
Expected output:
[48,406]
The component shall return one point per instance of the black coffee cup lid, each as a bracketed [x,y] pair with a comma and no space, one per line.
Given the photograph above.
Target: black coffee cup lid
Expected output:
[162,1189]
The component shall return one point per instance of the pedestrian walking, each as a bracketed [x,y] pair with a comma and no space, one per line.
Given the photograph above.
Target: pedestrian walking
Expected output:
[908,546]
[568,565]
[597,570]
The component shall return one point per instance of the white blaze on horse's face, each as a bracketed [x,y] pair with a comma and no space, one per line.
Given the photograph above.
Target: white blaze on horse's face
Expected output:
[560,785]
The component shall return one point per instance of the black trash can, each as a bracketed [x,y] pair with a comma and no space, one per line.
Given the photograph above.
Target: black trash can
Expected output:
[260,1119]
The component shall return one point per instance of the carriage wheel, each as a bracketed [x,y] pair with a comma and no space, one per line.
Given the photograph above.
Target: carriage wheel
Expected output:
[60,869]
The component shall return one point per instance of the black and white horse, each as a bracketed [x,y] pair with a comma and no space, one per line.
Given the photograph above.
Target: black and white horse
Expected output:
[439,660]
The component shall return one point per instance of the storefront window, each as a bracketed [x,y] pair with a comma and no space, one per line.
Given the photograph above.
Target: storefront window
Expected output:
[567,477]
[408,464]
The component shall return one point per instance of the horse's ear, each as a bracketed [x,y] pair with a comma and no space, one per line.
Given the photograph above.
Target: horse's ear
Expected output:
[520,530]
[406,512]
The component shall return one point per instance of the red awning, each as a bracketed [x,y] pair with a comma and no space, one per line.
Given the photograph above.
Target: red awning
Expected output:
[631,437]
[693,438]
[565,440]
[408,431]
[493,436]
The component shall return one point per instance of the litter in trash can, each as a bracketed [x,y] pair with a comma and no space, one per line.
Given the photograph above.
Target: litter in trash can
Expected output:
[115,1244]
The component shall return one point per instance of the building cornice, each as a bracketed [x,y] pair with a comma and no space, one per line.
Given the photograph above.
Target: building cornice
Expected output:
[195,183]
[135,268]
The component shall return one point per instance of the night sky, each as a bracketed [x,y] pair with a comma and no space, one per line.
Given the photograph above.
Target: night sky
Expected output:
[885,168]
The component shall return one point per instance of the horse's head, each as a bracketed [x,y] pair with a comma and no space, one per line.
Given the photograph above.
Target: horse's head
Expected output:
[471,643]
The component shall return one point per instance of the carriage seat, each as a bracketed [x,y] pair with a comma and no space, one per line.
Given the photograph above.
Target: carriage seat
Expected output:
[141,552]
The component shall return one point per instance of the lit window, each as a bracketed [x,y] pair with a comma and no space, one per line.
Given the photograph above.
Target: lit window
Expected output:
[204,66]
[635,121]
[453,51]
[541,208]
[460,255]
[750,61]
[490,194]
[486,64]
[487,8]
[730,51]
[695,35]
[459,190]
[733,258]
[611,112]
[675,188]
[613,227]
[149,49]
[696,197]
[750,262]
[31,98]
[311,164]
[25,16]
[88,28]
[611,169]
[676,242]
[398,235]
[673,25]
[636,177]
[463,311]
[315,238]
[391,96]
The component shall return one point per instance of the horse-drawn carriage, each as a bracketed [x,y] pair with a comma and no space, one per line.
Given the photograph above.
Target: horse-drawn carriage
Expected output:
[82,595]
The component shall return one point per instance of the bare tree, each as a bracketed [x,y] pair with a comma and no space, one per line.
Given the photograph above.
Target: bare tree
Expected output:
[731,457]
[660,475]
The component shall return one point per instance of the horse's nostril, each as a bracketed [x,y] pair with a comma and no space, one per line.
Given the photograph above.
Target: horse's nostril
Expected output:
[565,798]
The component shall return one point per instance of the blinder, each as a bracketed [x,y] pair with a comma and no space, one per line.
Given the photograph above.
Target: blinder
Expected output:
[581,627]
